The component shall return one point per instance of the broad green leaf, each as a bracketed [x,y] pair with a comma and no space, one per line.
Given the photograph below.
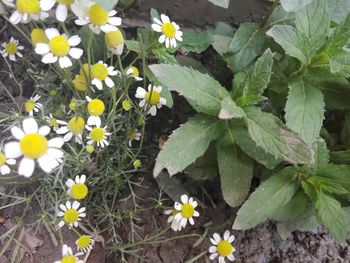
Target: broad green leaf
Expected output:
[247,145]
[294,43]
[306,221]
[133,45]
[196,41]
[236,171]
[321,155]
[256,80]
[107,4]
[314,22]
[339,9]
[273,136]
[332,216]
[230,110]
[187,143]
[280,16]
[222,37]
[265,200]
[339,38]
[164,56]
[202,91]
[305,110]
[221,3]
[340,64]
[337,94]
[336,173]
[294,5]
[293,208]
[246,45]
[127,3]
[339,157]
[190,62]
[171,186]
[154,14]
[98,46]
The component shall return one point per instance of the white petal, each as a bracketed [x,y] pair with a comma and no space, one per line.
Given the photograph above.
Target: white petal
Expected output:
[112,13]
[157,27]
[231,239]
[75,205]
[109,82]
[17,133]
[26,167]
[81,21]
[61,12]
[162,39]
[167,42]
[115,21]
[65,62]
[74,41]
[55,153]
[68,137]
[226,235]
[177,206]
[42,48]
[184,199]
[231,257]
[213,249]
[56,142]
[11,161]
[97,83]
[16,17]
[140,93]
[5,169]
[70,183]
[76,52]
[82,178]
[164,18]
[107,28]
[51,33]
[217,237]
[44,130]
[60,224]
[162,101]
[191,221]
[30,126]
[153,110]
[196,214]
[213,241]
[12,150]
[157,21]
[62,130]
[46,5]
[213,256]
[221,259]
[47,163]
[49,58]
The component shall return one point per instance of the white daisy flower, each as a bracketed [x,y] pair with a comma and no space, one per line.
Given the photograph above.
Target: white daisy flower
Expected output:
[53,122]
[71,214]
[115,42]
[11,49]
[133,71]
[95,108]
[77,189]
[33,145]
[101,72]
[133,135]
[32,105]
[69,257]
[170,31]
[172,213]
[187,212]
[62,7]
[26,11]
[98,135]
[222,247]
[74,127]
[99,20]
[85,243]
[9,3]
[4,162]
[152,97]
[59,47]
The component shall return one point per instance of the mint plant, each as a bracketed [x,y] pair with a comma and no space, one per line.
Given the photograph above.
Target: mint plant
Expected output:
[286,76]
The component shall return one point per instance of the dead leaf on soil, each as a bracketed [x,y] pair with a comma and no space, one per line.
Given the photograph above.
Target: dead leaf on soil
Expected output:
[32,242]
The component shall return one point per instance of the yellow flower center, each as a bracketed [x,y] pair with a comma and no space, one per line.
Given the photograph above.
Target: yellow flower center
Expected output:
[90,149]
[68,259]
[99,71]
[53,122]
[187,210]
[70,216]
[11,48]
[114,38]
[132,135]
[72,105]
[28,6]
[137,164]
[2,159]
[126,105]
[38,36]
[96,107]
[83,241]
[224,248]
[97,134]
[152,97]
[79,191]
[76,125]
[65,2]
[169,30]
[33,145]
[97,15]
[135,71]
[29,105]
[59,46]
[80,83]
